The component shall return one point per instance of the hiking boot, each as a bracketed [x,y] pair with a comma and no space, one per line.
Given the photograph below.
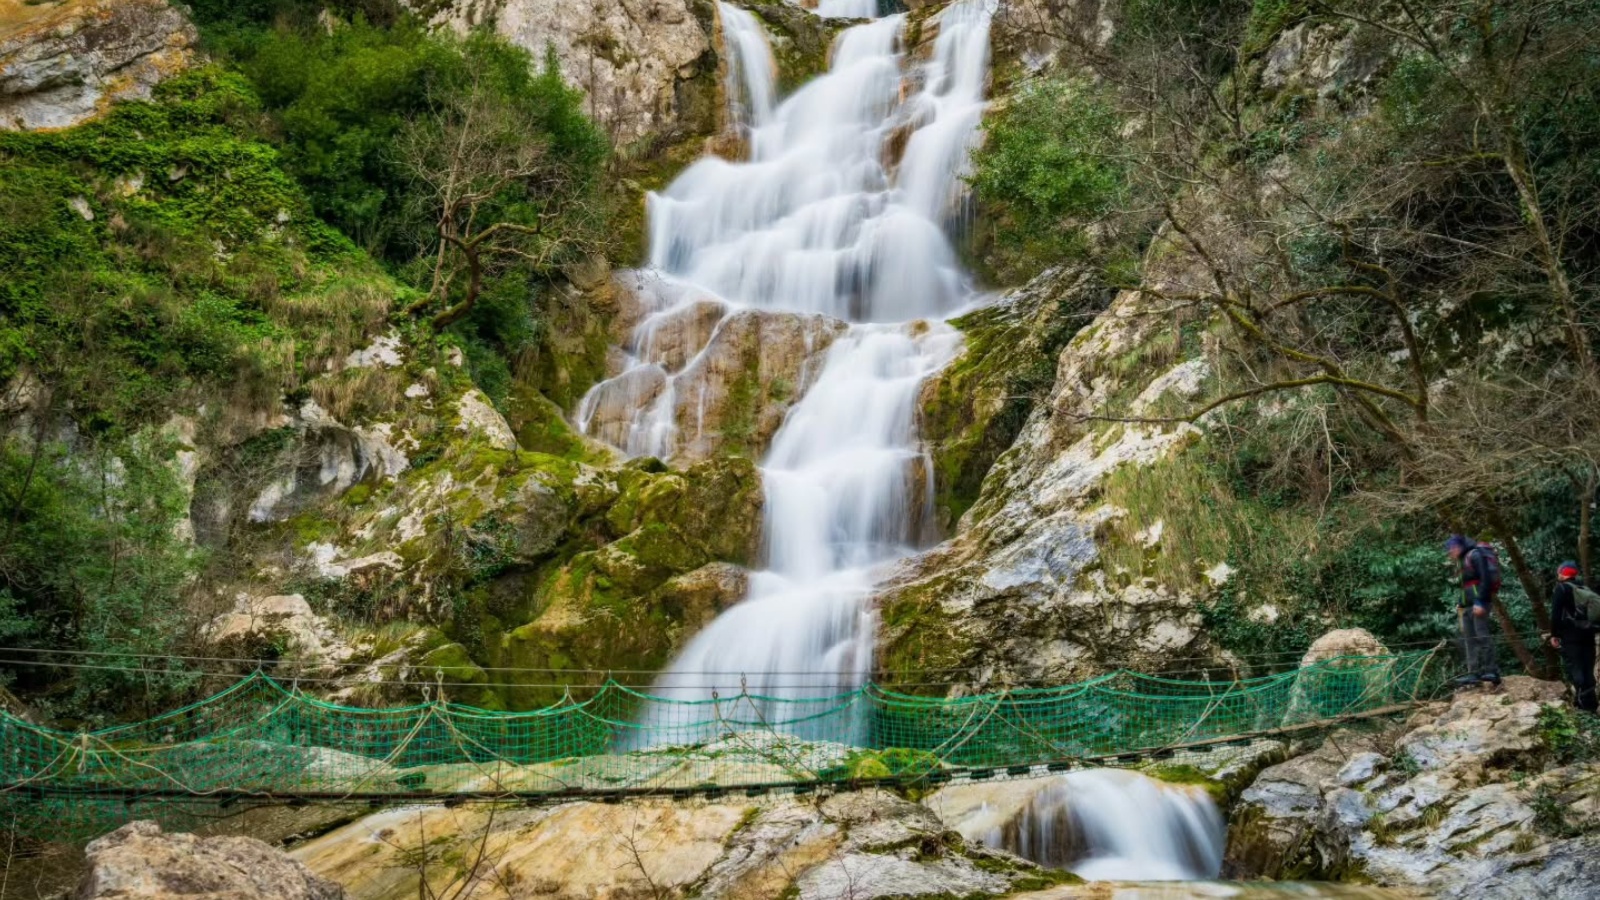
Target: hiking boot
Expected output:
[1467,681]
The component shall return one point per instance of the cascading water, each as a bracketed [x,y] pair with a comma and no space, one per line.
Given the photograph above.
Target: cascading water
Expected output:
[1110,825]
[750,66]
[819,220]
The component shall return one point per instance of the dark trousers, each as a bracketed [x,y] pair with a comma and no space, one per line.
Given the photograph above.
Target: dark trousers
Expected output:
[1579,657]
[1477,638]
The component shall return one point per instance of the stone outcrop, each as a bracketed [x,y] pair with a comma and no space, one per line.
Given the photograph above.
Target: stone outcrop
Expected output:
[63,62]
[260,626]
[1457,801]
[863,846]
[646,66]
[139,861]
[1023,587]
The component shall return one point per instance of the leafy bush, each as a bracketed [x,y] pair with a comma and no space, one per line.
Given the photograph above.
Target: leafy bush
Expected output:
[1047,168]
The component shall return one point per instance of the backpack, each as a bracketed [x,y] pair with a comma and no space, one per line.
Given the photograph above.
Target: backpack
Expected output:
[1587,603]
[1489,566]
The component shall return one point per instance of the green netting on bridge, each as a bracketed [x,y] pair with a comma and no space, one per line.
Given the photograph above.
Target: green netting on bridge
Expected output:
[261,737]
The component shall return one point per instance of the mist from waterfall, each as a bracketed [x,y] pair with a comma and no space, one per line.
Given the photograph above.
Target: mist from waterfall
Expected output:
[822,218]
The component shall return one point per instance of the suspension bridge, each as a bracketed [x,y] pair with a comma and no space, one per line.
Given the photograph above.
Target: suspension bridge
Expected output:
[262,741]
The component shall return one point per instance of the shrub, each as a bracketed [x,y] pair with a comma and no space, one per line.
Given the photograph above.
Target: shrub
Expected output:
[1047,168]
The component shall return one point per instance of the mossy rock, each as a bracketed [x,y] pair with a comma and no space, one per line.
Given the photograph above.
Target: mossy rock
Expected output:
[974,409]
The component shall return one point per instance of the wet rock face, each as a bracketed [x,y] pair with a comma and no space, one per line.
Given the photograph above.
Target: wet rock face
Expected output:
[716,382]
[139,861]
[646,66]
[1446,802]
[62,63]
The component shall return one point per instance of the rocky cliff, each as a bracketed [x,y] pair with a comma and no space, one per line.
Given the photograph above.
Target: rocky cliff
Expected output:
[65,61]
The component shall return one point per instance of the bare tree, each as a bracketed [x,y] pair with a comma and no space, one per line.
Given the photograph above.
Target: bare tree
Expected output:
[1235,201]
[494,195]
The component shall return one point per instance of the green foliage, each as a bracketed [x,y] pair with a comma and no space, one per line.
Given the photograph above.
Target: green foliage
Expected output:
[1047,168]
[336,101]
[139,255]
[1570,736]
[1268,19]
[91,559]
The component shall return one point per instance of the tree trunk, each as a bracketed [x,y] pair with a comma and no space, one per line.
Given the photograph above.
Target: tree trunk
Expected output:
[474,284]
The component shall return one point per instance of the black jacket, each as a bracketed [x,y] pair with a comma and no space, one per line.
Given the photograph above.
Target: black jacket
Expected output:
[1566,621]
[1480,577]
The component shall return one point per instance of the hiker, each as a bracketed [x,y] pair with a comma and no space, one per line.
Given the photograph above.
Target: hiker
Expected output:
[1480,587]
[1574,618]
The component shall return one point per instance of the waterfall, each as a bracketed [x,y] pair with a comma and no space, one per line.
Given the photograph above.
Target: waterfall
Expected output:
[818,220]
[1111,825]
[750,66]
[846,9]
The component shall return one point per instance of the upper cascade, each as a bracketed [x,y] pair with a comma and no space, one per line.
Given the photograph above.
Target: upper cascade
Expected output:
[752,72]
[821,219]
[846,9]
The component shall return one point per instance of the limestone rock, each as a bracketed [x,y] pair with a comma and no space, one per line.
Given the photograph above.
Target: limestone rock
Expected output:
[703,381]
[1435,804]
[861,845]
[1017,588]
[63,63]
[283,623]
[646,66]
[320,458]
[1343,642]
[138,860]
[480,418]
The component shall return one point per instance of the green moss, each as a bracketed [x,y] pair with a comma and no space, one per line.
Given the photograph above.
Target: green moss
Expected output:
[917,636]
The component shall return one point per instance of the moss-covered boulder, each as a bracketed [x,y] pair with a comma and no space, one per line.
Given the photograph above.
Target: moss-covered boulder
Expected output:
[630,602]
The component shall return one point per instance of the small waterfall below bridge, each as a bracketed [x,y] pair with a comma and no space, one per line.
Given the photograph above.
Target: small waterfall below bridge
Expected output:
[827,217]
[1112,825]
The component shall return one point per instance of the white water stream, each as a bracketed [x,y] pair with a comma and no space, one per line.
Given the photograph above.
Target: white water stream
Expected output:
[1112,825]
[823,218]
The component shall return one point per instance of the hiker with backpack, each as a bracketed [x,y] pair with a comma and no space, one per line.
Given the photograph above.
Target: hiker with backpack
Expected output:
[1480,588]
[1574,619]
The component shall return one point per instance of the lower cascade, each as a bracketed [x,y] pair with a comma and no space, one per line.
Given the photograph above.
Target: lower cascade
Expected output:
[1110,825]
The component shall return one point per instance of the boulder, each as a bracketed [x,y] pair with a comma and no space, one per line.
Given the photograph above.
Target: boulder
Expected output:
[1343,642]
[480,419]
[63,63]
[281,624]
[138,860]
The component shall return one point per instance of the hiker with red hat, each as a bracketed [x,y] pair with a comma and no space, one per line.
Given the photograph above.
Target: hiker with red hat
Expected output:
[1480,588]
[1574,619]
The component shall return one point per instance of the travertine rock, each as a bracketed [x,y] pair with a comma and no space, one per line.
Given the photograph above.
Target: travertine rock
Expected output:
[62,63]
[861,845]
